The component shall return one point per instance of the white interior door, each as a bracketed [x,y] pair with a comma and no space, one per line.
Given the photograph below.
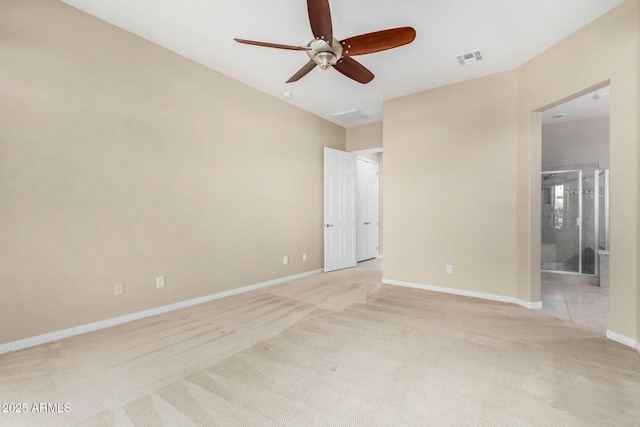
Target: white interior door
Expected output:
[367,221]
[339,209]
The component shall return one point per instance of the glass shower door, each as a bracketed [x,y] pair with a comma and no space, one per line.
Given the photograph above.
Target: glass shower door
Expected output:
[588,240]
[560,221]
[603,210]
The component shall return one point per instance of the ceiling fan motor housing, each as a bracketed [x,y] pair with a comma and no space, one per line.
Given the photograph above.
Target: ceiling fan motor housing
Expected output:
[324,54]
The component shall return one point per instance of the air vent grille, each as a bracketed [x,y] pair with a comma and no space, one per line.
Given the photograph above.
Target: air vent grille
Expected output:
[351,116]
[470,57]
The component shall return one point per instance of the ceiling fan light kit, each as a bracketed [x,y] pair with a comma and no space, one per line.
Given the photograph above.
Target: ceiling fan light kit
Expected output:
[324,54]
[337,54]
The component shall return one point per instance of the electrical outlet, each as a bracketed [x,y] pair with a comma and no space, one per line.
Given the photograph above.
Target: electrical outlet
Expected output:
[449,269]
[160,282]
[304,257]
[119,289]
[285,260]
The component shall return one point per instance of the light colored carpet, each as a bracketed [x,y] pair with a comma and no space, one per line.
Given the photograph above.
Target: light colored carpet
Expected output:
[332,349]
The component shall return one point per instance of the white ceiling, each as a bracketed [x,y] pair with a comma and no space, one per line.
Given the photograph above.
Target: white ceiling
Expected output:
[589,106]
[510,32]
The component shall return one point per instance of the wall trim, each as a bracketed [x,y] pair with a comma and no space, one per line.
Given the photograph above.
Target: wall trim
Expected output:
[528,304]
[90,327]
[629,342]
[537,305]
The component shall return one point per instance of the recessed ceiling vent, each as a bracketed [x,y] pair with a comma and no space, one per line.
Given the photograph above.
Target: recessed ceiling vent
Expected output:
[351,116]
[470,57]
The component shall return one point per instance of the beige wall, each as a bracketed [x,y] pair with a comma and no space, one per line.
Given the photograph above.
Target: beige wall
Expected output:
[364,137]
[449,186]
[463,164]
[577,141]
[121,161]
[638,139]
[605,50]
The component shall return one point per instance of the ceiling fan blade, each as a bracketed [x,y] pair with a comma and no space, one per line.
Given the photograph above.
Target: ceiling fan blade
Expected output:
[274,45]
[378,41]
[320,19]
[302,72]
[354,70]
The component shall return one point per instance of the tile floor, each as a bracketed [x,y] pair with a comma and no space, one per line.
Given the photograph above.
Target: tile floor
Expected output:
[584,306]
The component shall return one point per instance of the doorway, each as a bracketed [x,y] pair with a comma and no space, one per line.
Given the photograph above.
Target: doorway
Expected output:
[376,155]
[575,210]
[367,208]
[352,214]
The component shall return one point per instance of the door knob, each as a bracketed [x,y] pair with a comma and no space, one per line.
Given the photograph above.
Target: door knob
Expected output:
[328,225]
[367,223]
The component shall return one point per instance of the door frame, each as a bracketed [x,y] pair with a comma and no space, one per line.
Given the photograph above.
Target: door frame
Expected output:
[380,194]
[355,153]
[596,170]
[358,208]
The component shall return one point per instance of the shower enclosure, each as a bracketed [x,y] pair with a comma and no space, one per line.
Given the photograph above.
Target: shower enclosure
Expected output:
[575,220]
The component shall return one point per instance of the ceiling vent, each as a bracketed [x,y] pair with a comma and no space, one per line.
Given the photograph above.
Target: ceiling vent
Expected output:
[351,116]
[470,57]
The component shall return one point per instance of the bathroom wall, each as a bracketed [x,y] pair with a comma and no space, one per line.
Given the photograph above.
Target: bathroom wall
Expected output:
[578,141]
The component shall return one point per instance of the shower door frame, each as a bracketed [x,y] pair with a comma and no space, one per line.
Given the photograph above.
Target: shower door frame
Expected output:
[596,215]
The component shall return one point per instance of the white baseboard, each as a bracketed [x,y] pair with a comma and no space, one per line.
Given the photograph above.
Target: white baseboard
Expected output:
[89,327]
[527,304]
[629,342]
[537,305]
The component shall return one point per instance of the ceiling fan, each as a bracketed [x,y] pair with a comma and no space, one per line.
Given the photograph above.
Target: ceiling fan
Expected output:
[326,51]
